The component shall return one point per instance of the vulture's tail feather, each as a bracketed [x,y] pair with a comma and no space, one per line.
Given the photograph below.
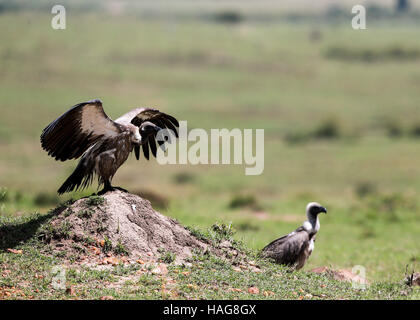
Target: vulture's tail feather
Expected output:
[79,179]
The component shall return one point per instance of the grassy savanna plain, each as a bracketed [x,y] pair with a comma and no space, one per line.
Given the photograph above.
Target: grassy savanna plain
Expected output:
[338,130]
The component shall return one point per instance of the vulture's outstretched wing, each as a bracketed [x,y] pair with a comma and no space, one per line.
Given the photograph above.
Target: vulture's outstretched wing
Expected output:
[140,115]
[287,249]
[69,136]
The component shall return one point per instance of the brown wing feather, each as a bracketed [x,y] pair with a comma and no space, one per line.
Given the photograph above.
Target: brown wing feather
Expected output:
[288,249]
[69,136]
[140,115]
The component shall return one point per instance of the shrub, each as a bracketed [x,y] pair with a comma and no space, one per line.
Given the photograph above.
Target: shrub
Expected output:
[120,249]
[244,201]
[95,201]
[4,195]
[183,178]
[84,214]
[364,189]
[223,230]
[393,129]
[415,130]
[228,17]
[46,199]
[101,228]
[166,256]
[329,129]
[107,245]
[198,234]
[63,231]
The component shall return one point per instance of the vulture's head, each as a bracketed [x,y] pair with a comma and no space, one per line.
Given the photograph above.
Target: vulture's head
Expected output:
[314,208]
[148,129]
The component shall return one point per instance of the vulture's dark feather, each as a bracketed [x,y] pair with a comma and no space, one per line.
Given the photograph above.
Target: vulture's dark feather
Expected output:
[137,152]
[79,179]
[170,125]
[145,148]
[289,248]
[70,135]
[153,148]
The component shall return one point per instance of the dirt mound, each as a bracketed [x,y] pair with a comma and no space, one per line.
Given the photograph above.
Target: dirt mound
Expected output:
[341,275]
[118,224]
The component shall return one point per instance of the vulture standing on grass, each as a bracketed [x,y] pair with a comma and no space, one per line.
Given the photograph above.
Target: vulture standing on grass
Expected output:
[296,247]
[103,144]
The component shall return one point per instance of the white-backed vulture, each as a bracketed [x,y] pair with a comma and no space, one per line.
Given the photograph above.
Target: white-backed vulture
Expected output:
[103,144]
[295,248]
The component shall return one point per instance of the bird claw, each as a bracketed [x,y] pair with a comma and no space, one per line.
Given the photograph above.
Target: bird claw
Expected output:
[121,189]
[109,188]
[103,191]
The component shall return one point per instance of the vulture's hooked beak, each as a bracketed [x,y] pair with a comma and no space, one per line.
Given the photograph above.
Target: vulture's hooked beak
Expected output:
[322,209]
[150,130]
[157,128]
[153,133]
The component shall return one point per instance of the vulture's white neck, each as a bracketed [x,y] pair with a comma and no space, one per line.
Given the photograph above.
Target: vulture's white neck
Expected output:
[312,224]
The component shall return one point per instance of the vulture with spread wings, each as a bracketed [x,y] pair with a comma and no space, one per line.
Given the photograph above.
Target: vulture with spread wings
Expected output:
[103,144]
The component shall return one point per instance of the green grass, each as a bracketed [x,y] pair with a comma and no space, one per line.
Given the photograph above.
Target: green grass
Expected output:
[31,274]
[249,75]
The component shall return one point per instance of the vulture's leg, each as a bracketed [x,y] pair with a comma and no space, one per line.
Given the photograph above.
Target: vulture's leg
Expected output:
[107,187]
[121,189]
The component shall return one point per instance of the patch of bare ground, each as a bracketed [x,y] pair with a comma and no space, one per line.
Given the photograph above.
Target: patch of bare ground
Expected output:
[341,275]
